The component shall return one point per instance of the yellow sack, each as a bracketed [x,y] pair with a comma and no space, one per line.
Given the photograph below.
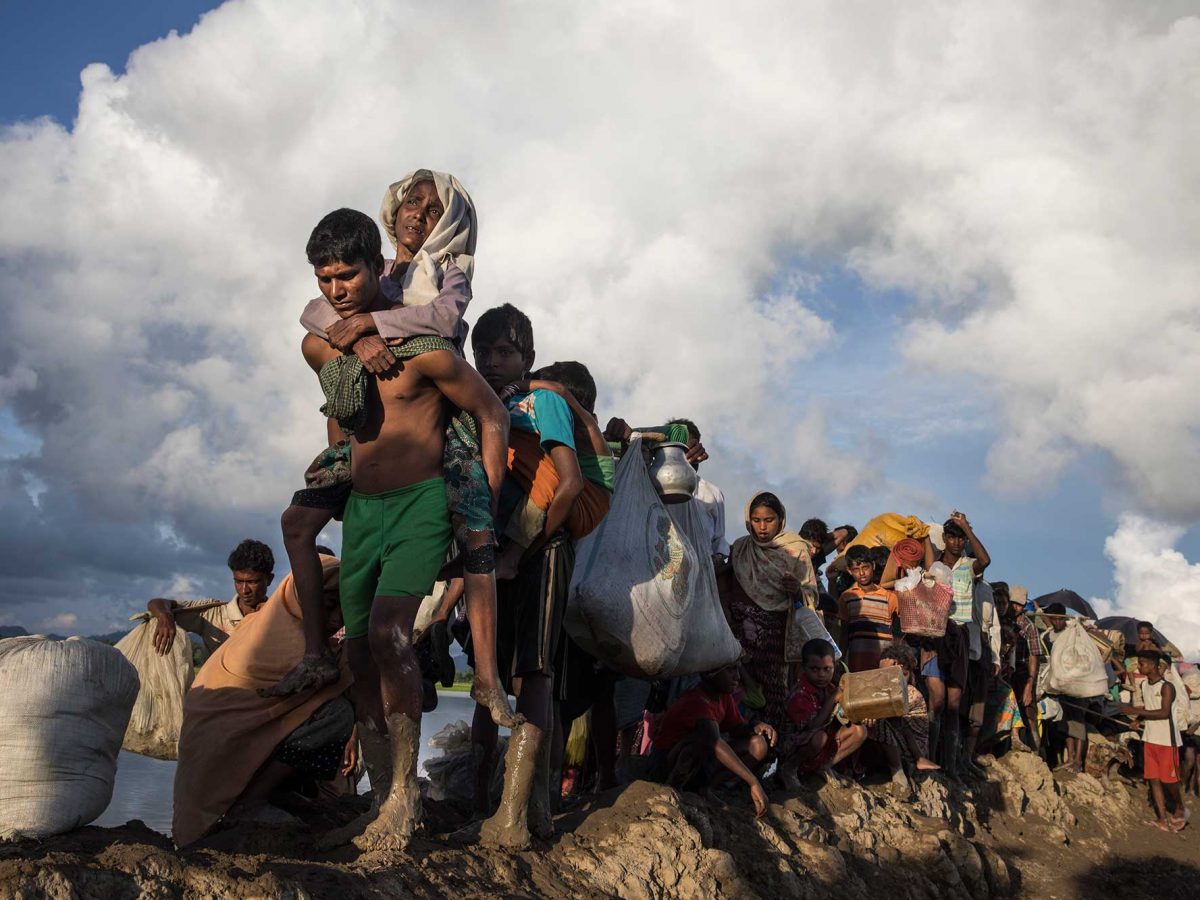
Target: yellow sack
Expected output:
[887,529]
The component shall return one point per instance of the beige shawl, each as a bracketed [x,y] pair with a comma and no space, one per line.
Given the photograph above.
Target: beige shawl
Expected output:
[760,567]
[228,730]
[452,238]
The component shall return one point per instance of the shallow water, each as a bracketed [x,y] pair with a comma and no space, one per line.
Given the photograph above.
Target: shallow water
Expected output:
[144,786]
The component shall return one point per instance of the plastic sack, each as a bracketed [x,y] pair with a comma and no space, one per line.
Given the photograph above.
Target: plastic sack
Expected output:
[1049,709]
[158,711]
[452,774]
[65,706]
[1076,669]
[924,602]
[643,597]
[1180,709]
[804,625]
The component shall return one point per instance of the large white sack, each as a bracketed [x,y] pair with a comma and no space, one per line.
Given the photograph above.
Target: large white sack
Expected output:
[64,706]
[643,597]
[1076,668]
[158,711]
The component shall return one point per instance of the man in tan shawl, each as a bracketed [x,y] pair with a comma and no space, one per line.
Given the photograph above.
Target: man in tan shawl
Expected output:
[230,734]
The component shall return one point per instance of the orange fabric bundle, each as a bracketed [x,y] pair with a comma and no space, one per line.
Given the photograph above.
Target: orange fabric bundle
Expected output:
[534,472]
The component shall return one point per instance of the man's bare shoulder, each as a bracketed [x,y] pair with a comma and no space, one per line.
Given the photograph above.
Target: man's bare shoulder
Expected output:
[317,351]
[439,364]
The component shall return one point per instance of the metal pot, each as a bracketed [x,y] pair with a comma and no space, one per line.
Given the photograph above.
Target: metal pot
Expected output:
[673,476]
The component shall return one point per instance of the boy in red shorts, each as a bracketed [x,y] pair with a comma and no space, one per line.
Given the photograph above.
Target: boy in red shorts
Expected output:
[1160,740]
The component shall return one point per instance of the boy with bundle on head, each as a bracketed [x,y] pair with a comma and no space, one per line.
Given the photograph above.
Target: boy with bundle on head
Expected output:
[690,740]
[815,741]
[1160,739]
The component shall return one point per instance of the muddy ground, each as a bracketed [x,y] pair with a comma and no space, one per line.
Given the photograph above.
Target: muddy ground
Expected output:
[1020,833]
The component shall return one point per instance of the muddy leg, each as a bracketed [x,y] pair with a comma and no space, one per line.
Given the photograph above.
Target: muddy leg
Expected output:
[372,736]
[541,816]
[400,689]
[317,668]
[480,590]
[400,813]
[483,750]
[509,827]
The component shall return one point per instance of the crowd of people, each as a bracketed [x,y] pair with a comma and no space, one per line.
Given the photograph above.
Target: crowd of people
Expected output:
[463,491]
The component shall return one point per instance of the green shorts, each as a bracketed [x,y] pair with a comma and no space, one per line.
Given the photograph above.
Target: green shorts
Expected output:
[393,545]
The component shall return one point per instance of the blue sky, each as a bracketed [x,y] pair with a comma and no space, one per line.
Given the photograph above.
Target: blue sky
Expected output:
[932,432]
[48,42]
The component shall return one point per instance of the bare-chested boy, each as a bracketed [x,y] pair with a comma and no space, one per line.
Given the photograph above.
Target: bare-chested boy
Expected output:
[396,530]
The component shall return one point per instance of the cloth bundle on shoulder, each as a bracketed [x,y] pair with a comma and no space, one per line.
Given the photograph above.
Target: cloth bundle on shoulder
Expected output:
[65,705]
[1076,669]
[887,529]
[158,711]
[643,598]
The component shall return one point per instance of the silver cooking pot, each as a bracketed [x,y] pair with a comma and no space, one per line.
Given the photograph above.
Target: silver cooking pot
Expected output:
[673,476]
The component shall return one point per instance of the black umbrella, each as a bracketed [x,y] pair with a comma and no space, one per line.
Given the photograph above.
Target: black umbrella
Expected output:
[1068,599]
[1127,625]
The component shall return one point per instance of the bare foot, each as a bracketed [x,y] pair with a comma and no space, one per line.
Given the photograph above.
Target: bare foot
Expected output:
[310,674]
[397,820]
[927,765]
[495,701]
[508,829]
[400,813]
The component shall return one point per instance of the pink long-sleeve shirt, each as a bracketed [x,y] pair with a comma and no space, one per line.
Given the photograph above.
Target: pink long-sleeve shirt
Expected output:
[443,317]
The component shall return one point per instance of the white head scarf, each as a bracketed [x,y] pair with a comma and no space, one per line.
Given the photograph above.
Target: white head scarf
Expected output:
[452,238]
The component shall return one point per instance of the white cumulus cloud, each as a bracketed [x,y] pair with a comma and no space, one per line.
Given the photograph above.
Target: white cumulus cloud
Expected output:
[1154,581]
[647,177]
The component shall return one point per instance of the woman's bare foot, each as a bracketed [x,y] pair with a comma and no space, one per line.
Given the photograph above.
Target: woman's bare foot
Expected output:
[495,701]
[310,674]
[927,765]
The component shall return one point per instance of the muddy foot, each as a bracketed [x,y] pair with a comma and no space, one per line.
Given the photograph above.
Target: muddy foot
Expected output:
[541,822]
[311,673]
[502,834]
[397,820]
[340,837]
[496,702]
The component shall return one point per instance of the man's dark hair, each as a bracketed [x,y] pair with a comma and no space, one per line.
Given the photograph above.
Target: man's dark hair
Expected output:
[325,551]
[504,322]
[692,427]
[952,528]
[858,554]
[345,236]
[1148,625]
[575,377]
[817,648]
[815,530]
[851,531]
[1155,655]
[252,556]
